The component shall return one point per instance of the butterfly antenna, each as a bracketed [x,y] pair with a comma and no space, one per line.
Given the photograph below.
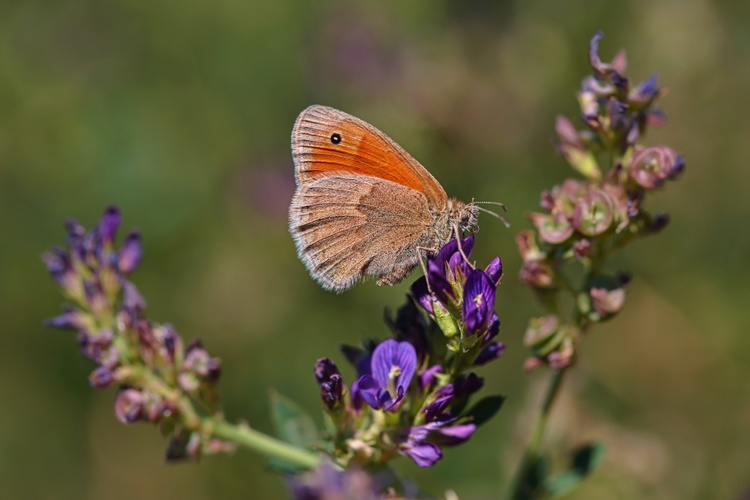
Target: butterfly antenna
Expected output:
[505,209]
[494,214]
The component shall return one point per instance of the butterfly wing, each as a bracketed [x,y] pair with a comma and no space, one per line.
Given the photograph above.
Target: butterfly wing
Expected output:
[363,205]
[326,141]
[349,226]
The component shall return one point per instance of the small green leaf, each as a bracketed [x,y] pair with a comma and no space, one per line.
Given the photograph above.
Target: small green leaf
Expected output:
[588,457]
[485,409]
[292,423]
[562,483]
[584,460]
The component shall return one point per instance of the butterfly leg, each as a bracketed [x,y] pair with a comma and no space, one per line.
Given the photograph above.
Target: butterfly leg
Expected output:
[422,263]
[460,248]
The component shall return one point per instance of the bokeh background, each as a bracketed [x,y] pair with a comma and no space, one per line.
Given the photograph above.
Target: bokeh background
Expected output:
[180,113]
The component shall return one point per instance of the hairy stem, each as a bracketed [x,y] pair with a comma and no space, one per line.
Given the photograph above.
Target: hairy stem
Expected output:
[262,443]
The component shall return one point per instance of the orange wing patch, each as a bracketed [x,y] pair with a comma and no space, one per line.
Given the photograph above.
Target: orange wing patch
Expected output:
[326,141]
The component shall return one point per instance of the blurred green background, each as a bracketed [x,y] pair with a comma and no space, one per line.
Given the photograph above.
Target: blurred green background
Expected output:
[180,113]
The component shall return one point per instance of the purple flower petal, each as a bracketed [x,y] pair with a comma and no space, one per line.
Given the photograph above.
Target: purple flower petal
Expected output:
[479,302]
[130,253]
[423,454]
[494,328]
[455,434]
[422,295]
[439,283]
[70,320]
[494,270]
[428,376]
[443,398]
[390,355]
[129,406]
[109,224]
[373,393]
[490,352]
[132,299]
[101,377]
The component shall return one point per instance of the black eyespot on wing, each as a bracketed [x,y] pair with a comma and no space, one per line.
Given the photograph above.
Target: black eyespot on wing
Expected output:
[336,138]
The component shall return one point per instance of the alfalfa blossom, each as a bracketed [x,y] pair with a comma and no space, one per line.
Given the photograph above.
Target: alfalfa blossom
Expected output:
[411,393]
[584,220]
[158,376]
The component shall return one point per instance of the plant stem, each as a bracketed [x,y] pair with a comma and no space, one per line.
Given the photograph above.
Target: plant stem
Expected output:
[262,443]
[525,484]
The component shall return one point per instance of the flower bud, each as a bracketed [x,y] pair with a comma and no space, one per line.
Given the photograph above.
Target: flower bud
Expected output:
[130,253]
[607,303]
[129,406]
[329,379]
[537,274]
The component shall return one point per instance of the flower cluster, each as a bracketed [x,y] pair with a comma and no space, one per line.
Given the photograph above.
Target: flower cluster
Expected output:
[159,377]
[411,391]
[586,220]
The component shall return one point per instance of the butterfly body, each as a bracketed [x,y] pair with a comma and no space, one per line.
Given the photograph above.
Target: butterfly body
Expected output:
[363,206]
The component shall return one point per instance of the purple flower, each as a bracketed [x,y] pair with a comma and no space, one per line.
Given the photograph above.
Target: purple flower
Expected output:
[129,406]
[101,377]
[479,302]
[60,267]
[130,253]
[70,320]
[328,482]
[494,270]
[109,224]
[611,72]
[446,269]
[393,366]
[491,351]
[645,92]
[422,443]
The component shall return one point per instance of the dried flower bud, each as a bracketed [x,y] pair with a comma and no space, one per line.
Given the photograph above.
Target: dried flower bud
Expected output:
[537,274]
[553,229]
[605,302]
[593,213]
[581,248]
[527,247]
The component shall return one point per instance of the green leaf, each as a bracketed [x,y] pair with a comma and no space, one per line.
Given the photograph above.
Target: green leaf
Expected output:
[588,457]
[292,423]
[585,460]
[485,409]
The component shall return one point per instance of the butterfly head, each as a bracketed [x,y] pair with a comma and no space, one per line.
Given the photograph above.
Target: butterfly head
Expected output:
[463,215]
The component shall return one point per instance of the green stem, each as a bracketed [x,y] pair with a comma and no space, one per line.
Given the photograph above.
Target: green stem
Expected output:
[525,483]
[262,443]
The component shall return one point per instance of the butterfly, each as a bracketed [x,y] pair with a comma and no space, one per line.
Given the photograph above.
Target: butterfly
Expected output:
[363,206]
